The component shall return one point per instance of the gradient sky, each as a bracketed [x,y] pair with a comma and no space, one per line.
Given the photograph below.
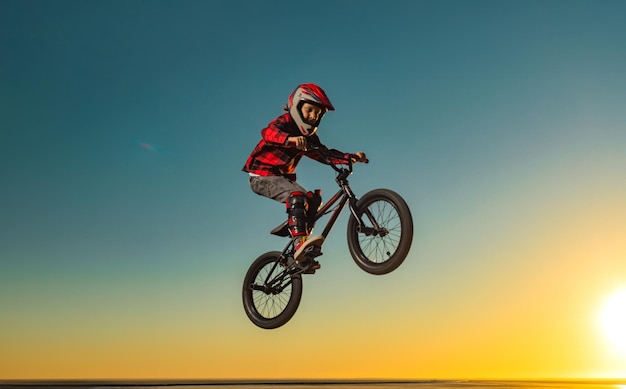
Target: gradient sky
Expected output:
[126,225]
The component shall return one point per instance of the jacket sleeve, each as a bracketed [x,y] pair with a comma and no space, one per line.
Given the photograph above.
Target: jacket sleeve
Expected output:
[336,157]
[274,134]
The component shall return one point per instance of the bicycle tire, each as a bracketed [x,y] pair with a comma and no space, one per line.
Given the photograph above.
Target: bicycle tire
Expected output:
[381,253]
[270,308]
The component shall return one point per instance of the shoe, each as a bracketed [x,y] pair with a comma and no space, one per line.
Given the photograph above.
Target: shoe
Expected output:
[307,245]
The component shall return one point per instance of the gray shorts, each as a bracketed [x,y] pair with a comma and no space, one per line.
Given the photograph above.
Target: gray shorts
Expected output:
[274,187]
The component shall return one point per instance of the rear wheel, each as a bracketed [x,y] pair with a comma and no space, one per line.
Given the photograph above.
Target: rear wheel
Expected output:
[384,239]
[271,294]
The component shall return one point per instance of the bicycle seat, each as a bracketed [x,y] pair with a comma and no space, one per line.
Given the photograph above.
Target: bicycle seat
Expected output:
[282,229]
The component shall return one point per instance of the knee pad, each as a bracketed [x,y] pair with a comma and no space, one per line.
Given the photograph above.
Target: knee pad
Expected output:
[296,201]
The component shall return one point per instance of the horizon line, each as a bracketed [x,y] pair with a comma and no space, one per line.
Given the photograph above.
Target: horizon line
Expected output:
[138,382]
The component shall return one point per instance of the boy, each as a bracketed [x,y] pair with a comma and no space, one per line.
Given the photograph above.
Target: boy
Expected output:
[273,162]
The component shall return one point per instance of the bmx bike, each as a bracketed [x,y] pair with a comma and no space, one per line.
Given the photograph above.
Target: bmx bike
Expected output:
[380,232]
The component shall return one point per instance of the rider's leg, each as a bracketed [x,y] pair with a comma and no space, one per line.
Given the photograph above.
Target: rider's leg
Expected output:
[296,208]
[275,187]
[279,188]
[314,200]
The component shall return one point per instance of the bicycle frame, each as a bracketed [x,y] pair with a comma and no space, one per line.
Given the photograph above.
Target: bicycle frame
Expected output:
[379,232]
[343,196]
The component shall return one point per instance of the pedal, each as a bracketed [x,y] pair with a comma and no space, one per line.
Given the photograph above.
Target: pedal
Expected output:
[311,267]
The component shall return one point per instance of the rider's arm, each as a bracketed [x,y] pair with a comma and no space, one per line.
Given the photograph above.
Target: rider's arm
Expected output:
[275,134]
[323,154]
[337,157]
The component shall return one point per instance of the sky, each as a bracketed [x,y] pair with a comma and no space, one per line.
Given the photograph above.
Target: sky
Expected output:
[127,226]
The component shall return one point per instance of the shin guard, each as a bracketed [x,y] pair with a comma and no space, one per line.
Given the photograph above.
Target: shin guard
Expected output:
[296,209]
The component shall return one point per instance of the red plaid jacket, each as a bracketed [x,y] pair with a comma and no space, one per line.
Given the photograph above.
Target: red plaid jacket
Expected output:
[272,156]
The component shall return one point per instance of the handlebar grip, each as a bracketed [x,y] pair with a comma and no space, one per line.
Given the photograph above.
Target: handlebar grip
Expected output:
[355,157]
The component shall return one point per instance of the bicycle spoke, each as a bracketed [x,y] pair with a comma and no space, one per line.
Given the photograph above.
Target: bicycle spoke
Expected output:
[268,304]
[380,248]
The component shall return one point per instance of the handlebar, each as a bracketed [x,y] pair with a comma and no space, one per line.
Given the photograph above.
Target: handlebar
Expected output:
[327,155]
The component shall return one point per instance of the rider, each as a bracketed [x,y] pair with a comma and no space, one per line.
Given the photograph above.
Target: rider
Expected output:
[272,164]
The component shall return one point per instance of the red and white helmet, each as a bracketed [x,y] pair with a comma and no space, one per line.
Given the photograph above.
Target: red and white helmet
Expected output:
[307,93]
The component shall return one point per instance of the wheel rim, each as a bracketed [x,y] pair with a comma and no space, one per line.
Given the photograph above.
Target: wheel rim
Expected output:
[270,302]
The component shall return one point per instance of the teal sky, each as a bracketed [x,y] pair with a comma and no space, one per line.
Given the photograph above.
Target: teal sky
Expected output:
[124,126]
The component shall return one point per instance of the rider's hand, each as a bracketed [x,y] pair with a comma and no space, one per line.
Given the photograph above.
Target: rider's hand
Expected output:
[358,157]
[299,142]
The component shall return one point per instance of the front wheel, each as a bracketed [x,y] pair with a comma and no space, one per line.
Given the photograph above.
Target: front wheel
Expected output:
[383,239]
[271,294]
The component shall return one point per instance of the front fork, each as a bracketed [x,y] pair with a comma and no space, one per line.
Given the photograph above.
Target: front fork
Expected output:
[375,230]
